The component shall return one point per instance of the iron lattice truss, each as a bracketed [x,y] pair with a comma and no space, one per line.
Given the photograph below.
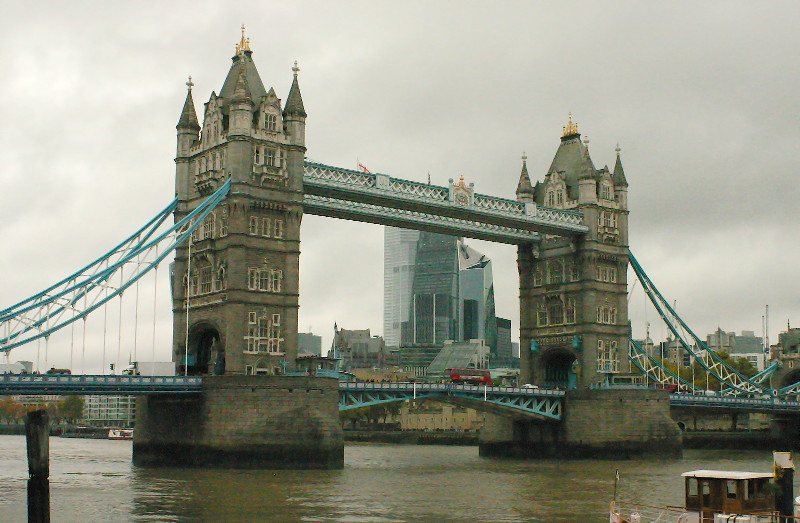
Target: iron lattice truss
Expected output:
[711,362]
[532,402]
[378,198]
[104,279]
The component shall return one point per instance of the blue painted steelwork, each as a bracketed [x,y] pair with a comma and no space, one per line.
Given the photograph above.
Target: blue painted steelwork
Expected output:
[457,209]
[538,402]
[711,362]
[766,403]
[86,290]
[22,384]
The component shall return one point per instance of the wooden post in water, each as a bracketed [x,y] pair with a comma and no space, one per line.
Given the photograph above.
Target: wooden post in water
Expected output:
[37,436]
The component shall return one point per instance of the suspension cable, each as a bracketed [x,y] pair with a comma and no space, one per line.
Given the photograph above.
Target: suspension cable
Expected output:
[188,294]
[136,315]
[119,320]
[155,307]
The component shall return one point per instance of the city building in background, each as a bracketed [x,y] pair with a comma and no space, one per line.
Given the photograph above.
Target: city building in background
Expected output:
[308,343]
[358,348]
[437,288]
[109,411]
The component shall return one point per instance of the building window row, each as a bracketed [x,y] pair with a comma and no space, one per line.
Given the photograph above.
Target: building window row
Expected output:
[264,280]
[607,273]
[269,156]
[556,272]
[556,312]
[266,227]
[607,360]
[607,219]
[264,333]
[607,314]
[205,280]
[555,197]
[211,162]
[213,226]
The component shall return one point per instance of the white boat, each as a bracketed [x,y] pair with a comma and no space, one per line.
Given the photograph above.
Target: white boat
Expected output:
[120,433]
[717,496]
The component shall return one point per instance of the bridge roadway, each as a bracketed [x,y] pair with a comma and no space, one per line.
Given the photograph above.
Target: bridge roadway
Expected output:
[544,403]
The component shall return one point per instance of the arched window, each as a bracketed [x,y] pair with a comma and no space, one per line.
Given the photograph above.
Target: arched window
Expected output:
[556,272]
[555,311]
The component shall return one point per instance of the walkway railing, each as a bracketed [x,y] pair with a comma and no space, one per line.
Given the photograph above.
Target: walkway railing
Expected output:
[45,384]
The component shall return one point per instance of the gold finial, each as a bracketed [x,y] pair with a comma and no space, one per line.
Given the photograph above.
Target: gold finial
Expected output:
[295,69]
[571,128]
[461,181]
[190,84]
[243,45]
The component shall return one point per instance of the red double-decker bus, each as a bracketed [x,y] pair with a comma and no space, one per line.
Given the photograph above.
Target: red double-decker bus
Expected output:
[471,376]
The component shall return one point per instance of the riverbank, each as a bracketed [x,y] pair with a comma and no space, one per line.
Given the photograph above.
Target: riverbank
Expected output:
[412,437]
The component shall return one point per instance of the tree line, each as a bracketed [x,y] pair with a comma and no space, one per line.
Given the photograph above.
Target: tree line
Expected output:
[68,408]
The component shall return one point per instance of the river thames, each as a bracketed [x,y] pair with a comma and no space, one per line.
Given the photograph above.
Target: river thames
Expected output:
[94,480]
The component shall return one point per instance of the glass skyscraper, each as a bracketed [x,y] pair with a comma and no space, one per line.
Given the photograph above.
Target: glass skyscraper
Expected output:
[436,288]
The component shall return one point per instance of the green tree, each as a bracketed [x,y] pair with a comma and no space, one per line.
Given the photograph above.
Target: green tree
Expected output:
[71,408]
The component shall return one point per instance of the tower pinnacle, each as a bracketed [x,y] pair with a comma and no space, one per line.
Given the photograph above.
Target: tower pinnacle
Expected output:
[243,45]
[190,84]
[571,129]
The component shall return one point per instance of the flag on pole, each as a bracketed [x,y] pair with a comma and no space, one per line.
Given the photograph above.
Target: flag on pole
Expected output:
[363,169]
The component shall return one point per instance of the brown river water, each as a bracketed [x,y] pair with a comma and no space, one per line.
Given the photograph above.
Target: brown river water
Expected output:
[94,480]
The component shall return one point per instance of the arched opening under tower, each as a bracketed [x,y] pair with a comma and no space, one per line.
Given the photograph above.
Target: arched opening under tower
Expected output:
[559,369]
[206,354]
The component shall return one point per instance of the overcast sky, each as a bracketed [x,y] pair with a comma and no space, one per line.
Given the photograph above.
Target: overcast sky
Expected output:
[701,97]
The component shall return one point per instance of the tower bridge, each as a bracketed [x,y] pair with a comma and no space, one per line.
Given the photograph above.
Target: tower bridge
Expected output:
[242,185]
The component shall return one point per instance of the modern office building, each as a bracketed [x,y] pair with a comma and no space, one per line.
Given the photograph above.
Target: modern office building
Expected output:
[436,288]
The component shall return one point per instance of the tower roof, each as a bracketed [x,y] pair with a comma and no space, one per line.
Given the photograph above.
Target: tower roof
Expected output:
[241,93]
[242,67]
[294,102]
[572,157]
[619,173]
[188,119]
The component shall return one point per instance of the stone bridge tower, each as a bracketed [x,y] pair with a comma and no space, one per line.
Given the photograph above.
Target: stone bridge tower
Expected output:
[238,277]
[574,326]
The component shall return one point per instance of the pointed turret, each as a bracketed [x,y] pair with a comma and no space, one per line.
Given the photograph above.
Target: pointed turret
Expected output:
[294,103]
[524,187]
[619,173]
[242,69]
[241,92]
[188,119]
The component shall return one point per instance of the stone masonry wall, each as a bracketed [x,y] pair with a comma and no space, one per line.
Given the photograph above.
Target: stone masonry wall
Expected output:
[619,422]
[243,422]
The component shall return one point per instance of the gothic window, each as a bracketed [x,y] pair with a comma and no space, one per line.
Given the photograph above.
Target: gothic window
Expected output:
[277,228]
[223,223]
[569,311]
[265,228]
[551,201]
[221,282]
[264,333]
[264,280]
[254,225]
[257,155]
[206,280]
[555,311]
[541,316]
[607,315]
[270,157]
[207,229]
[605,192]
[560,197]
[537,279]
[556,272]
[270,122]
[607,273]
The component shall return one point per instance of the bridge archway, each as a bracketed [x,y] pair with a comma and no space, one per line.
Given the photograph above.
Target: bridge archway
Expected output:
[559,369]
[206,353]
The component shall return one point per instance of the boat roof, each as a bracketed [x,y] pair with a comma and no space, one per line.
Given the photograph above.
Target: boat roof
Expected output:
[726,474]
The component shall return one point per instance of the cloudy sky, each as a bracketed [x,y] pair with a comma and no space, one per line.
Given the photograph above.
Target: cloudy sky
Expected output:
[701,97]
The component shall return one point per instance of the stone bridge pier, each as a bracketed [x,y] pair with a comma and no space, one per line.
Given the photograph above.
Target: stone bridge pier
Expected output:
[596,423]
